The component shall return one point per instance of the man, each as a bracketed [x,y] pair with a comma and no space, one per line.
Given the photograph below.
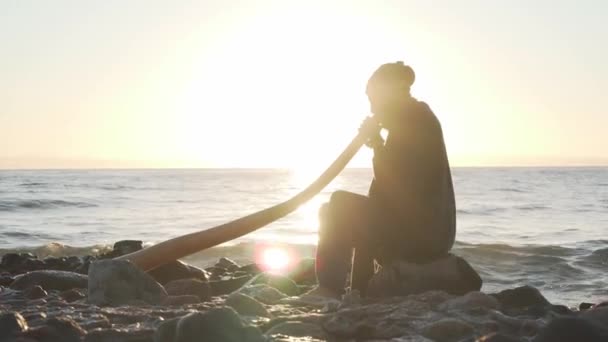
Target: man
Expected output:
[410,211]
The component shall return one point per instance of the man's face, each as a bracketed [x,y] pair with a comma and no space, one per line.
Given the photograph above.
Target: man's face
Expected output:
[386,99]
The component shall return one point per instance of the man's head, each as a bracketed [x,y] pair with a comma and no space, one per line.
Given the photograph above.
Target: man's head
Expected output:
[388,89]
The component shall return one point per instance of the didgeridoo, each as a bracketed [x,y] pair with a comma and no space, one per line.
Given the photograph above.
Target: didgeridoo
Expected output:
[181,246]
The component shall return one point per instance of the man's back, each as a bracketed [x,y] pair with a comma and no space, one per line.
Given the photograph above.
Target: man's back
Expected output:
[412,186]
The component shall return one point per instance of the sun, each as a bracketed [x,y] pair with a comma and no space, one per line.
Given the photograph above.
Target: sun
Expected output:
[275,259]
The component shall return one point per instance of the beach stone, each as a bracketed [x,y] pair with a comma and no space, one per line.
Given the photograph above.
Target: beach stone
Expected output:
[471,300]
[451,274]
[6,280]
[298,329]
[598,315]
[521,297]
[181,300]
[166,331]
[447,329]
[498,337]
[194,287]
[218,325]
[35,292]
[118,282]
[50,280]
[279,282]
[119,335]
[304,272]
[264,293]
[127,246]
[13,262]
[57,329]
[252,269]
[567,329]
[246,305]
[227,264]
[222,287]
[12,323]
[176,270]
[72,295]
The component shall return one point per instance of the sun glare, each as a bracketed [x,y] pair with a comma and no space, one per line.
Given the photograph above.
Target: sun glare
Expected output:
[275,259]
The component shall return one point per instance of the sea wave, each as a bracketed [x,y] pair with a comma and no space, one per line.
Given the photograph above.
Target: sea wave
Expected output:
[11,205]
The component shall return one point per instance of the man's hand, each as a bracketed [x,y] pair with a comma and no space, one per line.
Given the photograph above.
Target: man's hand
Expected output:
[370,128]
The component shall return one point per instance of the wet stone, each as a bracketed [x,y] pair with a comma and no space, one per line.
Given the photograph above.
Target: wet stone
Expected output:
[189,287]
[181,300]
[12,323]
[176,270]
[50,280]
[246,305]
[117,282]
[35,292]
[72,295]
[119,335]
[279,282]
[521,297]
[57,329]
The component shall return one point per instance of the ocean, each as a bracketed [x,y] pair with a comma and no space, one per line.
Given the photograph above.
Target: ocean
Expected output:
[545,227]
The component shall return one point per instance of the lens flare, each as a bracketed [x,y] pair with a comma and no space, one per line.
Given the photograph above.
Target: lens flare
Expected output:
[275,259]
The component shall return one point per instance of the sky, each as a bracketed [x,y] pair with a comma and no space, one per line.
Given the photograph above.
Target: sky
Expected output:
[115,83]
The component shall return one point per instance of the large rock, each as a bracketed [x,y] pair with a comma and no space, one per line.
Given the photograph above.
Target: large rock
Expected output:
[246,305]
[521,297]
[50,280]
[279,282]
[189,287]
[222,287]
[447,329]
[451,274]
[176,270]
[218,325]
[568,329]
[119,282]
[263,293]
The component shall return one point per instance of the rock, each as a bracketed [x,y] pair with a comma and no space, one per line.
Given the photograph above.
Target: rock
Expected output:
[521,297]
[598,315]
[227,264]
[298,329]
[127,246]
[181,300]
[6,280]
[176,270]
[451,274]
[35,292]
[470,301]
[166,331]
[50,280]
[252,269]
[12,323]
[279,282]
[117,282]
[304,272]
[498,337]
[246,305]
[119,335]
[216,272]
[222,287]
[447,329]
[567,329]
[57,329]
[585,306]
[263,293]
[14,262]
[72,295]
[194,287]
[218,325]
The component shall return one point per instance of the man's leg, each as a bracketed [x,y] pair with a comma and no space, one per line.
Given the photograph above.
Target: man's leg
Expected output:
[344,226]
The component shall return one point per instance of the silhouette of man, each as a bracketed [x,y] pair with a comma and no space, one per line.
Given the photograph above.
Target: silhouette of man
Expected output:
[409,213]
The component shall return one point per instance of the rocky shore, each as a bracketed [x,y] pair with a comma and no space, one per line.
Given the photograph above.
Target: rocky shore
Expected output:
[95,298]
